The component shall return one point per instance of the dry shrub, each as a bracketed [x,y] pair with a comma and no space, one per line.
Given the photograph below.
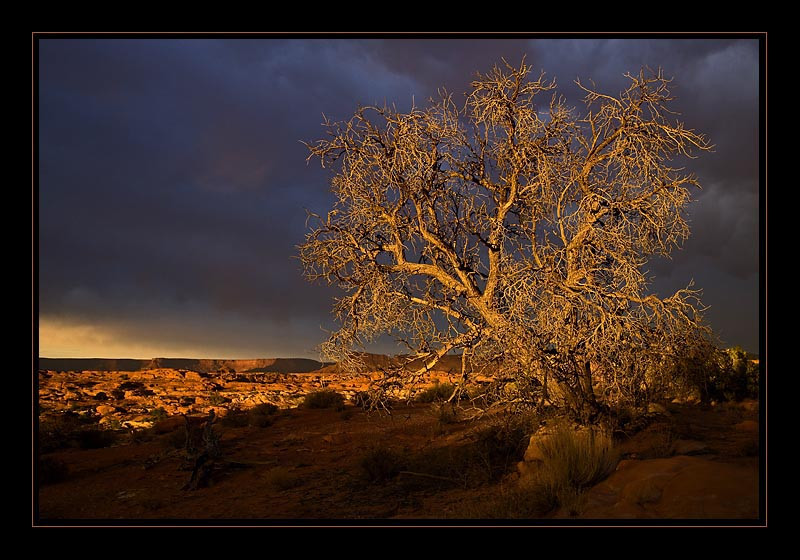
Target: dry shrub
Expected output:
[326,398]
[261,415]
[444,413]
[61,431]
[235,418]
[572,462]
[381,464]
[436,393]
[491,454]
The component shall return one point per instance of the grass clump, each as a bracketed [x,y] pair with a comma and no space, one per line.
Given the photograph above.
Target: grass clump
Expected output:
[444,413]
[439,392]
[572,462]
[261,415]
[381,464]
[325,398]
[158,414]
[493,452]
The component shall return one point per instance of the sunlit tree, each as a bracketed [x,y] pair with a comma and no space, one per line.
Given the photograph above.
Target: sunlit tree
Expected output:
[514,230]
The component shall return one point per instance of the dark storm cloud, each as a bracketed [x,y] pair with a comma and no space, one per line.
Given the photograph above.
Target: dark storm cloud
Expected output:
[173,184]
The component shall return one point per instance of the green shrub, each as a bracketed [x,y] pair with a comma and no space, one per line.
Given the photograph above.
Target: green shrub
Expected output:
[325,398]
[381,464]
[52,471]
[158,414]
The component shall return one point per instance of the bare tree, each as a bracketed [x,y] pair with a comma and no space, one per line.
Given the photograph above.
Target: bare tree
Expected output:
[514,230]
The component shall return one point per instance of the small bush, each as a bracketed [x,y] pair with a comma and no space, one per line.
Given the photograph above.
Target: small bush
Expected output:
[494,451]
[381,464]
[326,398]
[52,471]
[235,419]
[215,399]
[259,420]
[265,409]
[66,429]
[444,414]
[279,478]
[372,400]
[158,414]
[95,439]
[573,461]
[439,392]
[260,416]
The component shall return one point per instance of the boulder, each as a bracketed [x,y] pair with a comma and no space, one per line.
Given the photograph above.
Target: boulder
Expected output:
[679,487]
[657,408]
[105,410]
[534,451]
[689,447]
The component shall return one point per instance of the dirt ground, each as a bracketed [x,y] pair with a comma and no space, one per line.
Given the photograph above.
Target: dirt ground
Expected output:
[307,465]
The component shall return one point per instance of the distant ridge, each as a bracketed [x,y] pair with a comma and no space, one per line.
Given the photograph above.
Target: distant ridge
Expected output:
[266,365]
[449,363]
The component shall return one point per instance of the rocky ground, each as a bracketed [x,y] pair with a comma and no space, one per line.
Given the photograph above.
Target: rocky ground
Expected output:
[136,399]
[680,461]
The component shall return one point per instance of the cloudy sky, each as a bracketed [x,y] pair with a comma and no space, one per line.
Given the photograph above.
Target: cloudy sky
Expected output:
[173,185]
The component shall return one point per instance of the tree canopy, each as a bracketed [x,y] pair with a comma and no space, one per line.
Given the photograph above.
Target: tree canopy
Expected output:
[516,230]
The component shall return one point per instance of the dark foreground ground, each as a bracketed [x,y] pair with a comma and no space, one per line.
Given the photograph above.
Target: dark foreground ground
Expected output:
[694,462]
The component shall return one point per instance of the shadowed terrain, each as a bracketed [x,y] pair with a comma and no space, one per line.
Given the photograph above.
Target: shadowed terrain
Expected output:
[106,458]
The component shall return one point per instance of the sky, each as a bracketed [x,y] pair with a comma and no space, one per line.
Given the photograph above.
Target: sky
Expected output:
[173,183]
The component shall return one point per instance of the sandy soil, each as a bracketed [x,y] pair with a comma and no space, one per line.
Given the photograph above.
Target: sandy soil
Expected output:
[307,466]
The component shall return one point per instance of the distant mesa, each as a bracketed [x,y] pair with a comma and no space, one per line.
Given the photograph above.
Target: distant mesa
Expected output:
[264,365]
